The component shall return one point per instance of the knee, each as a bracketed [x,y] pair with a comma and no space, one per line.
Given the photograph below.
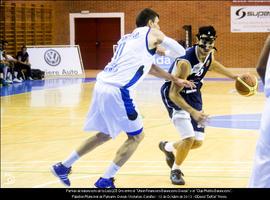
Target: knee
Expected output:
[138,138]
[197,144]
[103,137]
[189,141]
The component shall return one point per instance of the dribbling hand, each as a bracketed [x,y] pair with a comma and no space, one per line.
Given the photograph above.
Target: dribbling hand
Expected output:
[200,117]
[184,83]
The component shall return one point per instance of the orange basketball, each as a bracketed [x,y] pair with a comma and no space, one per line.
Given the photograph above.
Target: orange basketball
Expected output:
[246,84]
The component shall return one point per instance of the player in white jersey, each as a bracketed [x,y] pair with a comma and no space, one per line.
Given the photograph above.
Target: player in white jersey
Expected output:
[112,109]
[260,176]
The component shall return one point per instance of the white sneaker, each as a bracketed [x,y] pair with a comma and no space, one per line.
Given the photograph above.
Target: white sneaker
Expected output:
[30,78]
[9,81]
[15,80]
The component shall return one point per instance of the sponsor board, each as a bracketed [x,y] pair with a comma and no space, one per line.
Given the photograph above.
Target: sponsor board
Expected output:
[250,19]
[56,60]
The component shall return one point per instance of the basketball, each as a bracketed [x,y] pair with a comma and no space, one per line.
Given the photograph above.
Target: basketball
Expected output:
[246,84]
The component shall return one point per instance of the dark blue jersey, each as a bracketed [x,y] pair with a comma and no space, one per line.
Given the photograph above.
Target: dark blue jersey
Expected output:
[197,72]
[198,69]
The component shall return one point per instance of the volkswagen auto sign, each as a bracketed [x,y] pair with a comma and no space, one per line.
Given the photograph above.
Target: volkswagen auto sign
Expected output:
[56,60]
[52,57]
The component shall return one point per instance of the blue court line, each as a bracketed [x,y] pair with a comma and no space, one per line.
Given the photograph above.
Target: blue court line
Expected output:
[28,86]
[236,121]
[206,79]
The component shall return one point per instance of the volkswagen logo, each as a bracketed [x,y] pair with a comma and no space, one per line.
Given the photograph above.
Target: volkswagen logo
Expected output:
[52,57]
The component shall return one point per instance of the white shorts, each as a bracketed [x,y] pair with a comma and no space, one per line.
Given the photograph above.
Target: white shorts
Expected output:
[182,122]
[112,110]
[260,176]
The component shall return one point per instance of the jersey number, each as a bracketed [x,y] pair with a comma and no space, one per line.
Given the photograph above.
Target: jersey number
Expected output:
[119,50]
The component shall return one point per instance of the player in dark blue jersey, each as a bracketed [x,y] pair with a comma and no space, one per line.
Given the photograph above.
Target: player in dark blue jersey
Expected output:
[184,105]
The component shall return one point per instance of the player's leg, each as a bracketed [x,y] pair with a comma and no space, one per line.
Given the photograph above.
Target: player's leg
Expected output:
[184,127]
[182,122]
[198,142]
[169,147]
[94,121]
[63,169]
[127,149]
[123,154]
[182,149]
[91,143]
[260,176]
[130,121]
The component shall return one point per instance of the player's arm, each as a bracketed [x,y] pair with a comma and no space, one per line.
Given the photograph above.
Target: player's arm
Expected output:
[27,61]
[172,48]
[160,73]
[182,71]
[221,69]
[264,56]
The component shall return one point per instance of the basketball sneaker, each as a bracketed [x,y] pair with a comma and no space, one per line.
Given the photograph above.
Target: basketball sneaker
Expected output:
[176,177]
[105,183]
[169,155]
[61,172]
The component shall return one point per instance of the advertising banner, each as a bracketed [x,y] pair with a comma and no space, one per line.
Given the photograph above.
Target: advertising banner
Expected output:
[248,19]
[56,60]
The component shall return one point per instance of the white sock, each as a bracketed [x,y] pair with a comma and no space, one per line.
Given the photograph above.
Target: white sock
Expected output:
[71,159]
[111,171]
[175,166]
[169,147]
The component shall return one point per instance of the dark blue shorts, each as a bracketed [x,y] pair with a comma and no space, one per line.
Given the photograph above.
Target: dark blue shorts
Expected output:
[194,99]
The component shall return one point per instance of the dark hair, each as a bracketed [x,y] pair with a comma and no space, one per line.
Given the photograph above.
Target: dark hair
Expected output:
[144,16]
[23,47]
[206,30]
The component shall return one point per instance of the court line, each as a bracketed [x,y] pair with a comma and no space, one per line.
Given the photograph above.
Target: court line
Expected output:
[137,174]
[68,118]
[58,181]
[128,166]
[131,161]
[65,139]
[142,172]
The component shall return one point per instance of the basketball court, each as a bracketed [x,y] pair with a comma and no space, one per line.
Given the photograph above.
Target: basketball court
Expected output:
[42,121]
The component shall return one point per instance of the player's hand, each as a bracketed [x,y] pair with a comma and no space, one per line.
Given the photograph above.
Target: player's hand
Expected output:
[200,117]
[184,83]
[160,50]
[236,76]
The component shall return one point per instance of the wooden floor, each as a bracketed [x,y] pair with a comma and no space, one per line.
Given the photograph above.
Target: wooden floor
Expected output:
[42,127]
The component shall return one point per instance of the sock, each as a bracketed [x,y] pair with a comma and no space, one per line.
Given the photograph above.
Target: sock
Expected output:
[175,166]
[71,159]
[5,69]
[169,147]
[111,171]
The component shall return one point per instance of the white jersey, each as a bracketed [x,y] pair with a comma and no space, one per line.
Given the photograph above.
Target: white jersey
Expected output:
[267,79]
[131,61]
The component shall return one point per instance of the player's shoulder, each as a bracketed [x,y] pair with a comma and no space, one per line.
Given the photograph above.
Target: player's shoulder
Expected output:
[143,29]
[156,32]
[191,56]
[184,64]
[191,51]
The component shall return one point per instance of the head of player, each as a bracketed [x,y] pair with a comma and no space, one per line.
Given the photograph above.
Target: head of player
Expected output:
[148,17]
[206,39]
